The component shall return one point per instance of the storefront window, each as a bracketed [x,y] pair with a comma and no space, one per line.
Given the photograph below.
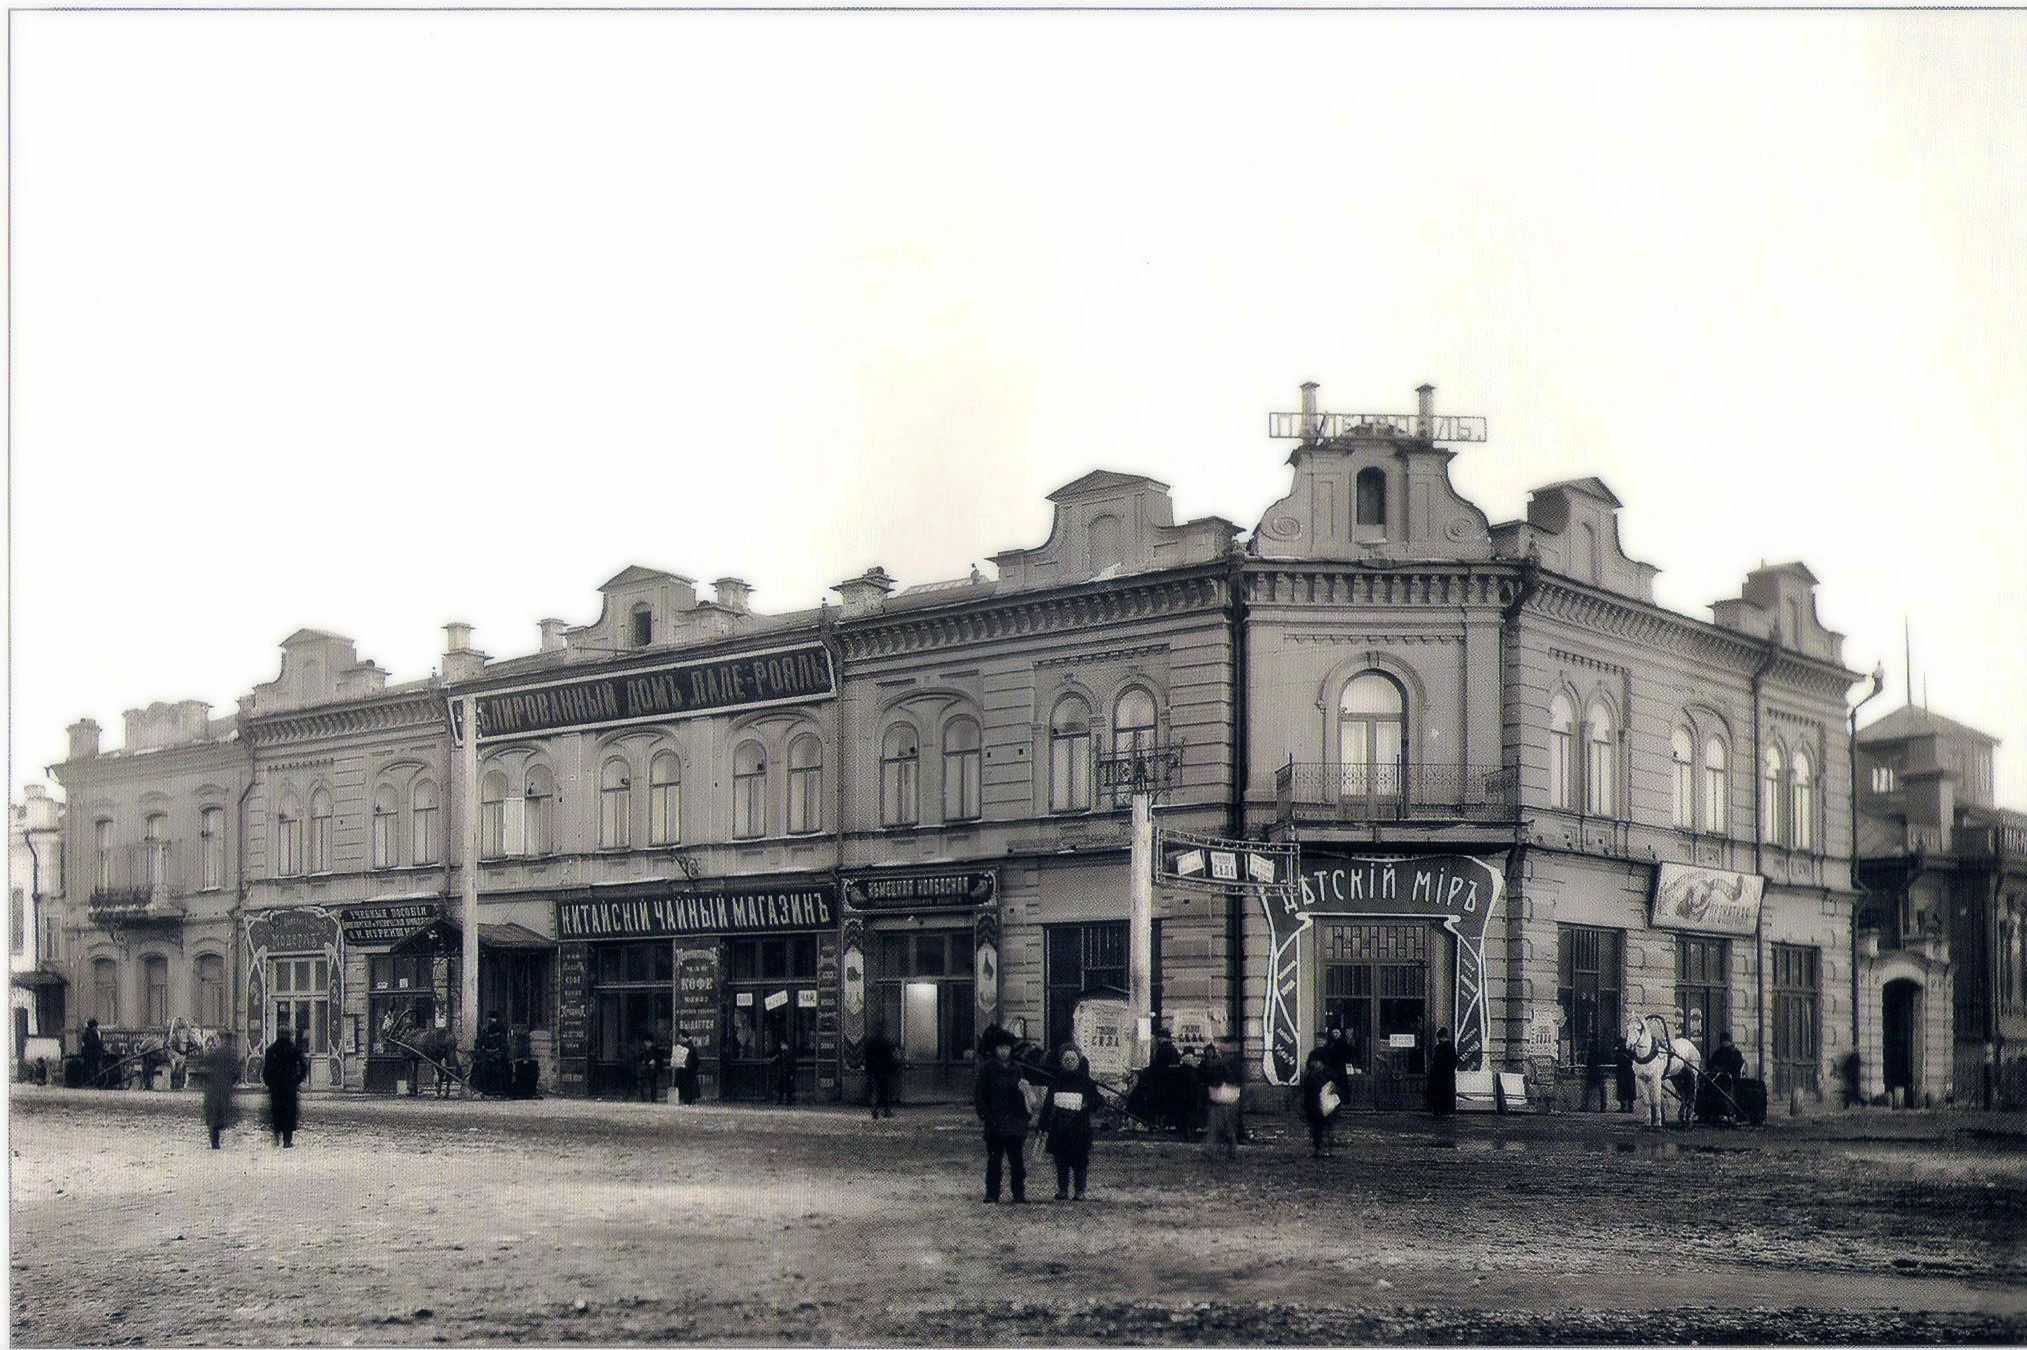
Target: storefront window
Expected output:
[1703,989]
[760,971]
[1797,1028]
[299,996]
[1588,981]
[404,996]
[517,985]
[1376,988]
[923,995]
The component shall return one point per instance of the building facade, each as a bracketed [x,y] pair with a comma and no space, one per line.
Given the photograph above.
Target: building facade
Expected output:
[1942,936]
[1526,802]
[37,983]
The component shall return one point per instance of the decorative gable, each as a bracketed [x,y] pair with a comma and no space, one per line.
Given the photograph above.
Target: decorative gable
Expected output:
[1113,524]
[1779,602]
[1572,529]
[317,667]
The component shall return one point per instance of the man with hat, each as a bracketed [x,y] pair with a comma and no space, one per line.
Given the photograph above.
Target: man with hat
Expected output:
[1003,1112]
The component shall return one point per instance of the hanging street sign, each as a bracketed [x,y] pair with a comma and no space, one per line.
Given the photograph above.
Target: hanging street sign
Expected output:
[1197,860]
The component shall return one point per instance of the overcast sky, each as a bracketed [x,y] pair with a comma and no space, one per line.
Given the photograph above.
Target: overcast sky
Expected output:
[369,322]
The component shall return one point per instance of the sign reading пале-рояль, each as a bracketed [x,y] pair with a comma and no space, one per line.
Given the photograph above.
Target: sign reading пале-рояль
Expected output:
[781,909]
[656,693]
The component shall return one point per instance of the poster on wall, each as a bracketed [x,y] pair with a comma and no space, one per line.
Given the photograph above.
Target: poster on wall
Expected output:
[1192,1026]
[985,971]
[573,1010]
[1459,891]
[852,1008]
[1706,900]
[1098,1025]
[697,993]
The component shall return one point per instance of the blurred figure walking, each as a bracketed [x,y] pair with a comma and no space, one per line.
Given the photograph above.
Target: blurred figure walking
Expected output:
[283,1072]
[219,1064]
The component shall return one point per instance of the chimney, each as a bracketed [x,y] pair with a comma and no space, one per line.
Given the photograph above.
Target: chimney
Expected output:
[1425,412]
[865,591]
[193,721]
[1309,411]
[84,739]
[139,725]
[732,594]
[552,635]
[460,661]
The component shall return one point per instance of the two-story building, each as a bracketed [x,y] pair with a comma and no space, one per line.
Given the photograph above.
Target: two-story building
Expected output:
[36,982]
[1942,942]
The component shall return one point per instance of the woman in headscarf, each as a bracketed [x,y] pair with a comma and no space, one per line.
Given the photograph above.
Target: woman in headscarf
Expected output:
[1067,1111]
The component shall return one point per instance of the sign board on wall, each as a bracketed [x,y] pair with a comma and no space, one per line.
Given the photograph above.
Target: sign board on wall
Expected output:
[778,909]
[824,998]
[697,993]
[573,1013]
[1706,900]
[372,925]
[1544,1031]
[1099,1026]
[1193,1026]
[655,693]
[921,891]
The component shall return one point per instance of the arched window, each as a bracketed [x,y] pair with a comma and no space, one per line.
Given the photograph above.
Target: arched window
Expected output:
[1371,491]
[1682,778]
[154,844]
[1716,818]
[209,1004]
[493,815]
[105,984]
[1771,771]
[288,829]
[1802,803]
[665,799]
[749,791]
[423,834]
[1562,752]
[900,781]
[1372,733]
[1133,721]
[960,769]
[155,980]
[805,784]
[211,841]
[320,831]
[539,810]
[385,817]
[1600,785]
[643,625]
[1105,543]
[615,804]
[1070,755]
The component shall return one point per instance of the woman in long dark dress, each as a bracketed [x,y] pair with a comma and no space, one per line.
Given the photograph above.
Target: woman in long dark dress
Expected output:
[283,1071]
[1443,1075]
[1067,1113]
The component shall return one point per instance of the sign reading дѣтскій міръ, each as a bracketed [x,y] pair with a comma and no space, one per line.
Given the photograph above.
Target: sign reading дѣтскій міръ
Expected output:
[655,693]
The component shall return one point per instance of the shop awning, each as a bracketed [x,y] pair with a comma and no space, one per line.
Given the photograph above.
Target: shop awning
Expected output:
[511,936]
[38,979]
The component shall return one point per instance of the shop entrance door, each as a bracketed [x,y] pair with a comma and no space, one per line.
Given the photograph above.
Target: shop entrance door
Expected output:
[1376,989]
[635,999]
[924,993]
[770,993]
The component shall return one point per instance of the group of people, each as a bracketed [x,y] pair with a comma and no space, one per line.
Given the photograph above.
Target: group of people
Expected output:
[679,1058]
[1185,1092]
[1327,1075]
[1724,1072]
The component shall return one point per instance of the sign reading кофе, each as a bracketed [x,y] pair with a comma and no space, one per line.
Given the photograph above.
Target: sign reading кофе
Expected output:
[657,693]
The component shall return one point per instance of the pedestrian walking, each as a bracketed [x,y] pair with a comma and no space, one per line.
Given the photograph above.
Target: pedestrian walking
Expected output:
[1003,1112]
[283,1072]
[1337,1054]
[782,1067]
[1626,1082]
[1068,1109]
[882,1061]
[1319,1102]
[1596,1060]
[1442,1088]
[1221,1103]
[220,1066]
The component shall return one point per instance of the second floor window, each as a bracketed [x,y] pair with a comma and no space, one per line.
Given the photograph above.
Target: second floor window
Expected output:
[424,832]
[1371,734]
[1562,753]
[288,852]
[1600,789]
[1682,779]
[805,785]
[211,843]
[539,810]
[1070,755]
[615,805]
[960,769]
[900,760]
[320,831]
[1802,803]
[1771,771]
[749,791]
[493,815]
[102,854]
[1715,818]
[665,799]
[384,820]
[1133,721]
[153,830]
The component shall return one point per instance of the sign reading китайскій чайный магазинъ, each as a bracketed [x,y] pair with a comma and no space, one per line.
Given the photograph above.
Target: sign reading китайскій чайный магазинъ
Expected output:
[657,693]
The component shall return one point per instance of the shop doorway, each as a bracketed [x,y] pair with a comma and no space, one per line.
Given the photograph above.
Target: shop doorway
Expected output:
[1900,1026]
[771,1003]
[634,998]
[924,995]
[1378,989]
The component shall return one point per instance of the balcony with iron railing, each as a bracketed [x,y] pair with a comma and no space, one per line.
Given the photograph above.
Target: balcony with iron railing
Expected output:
[138,883]
[1408,791]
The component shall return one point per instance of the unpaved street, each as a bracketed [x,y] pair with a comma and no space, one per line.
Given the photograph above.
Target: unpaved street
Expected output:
[398,1222]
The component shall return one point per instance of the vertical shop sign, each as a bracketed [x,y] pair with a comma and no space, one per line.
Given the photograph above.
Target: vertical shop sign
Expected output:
[985,971]
[852,1012]
[826,1010]
[573,1011]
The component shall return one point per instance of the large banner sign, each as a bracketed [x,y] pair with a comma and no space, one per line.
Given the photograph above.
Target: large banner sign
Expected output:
[684,913]
[656,694]
[1705,900]
[1461,892]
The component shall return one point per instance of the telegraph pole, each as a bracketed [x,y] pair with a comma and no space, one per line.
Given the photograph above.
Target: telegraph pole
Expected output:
[467,1029]
[1140,930]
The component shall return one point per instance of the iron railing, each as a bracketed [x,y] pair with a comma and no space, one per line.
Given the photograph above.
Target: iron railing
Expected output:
[1408,791]
[147,876]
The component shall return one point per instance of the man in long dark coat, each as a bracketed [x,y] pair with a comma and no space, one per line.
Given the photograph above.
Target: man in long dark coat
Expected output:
[93,1051]
[881,1063]
[1003,1110]
[1443,1075]
[220,1066]
[283,1071]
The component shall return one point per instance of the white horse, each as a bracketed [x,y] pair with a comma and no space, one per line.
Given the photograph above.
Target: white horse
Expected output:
[1657,1059]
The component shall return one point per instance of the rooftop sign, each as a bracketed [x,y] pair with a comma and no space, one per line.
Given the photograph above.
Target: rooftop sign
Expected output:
[1406,426]
[656,693]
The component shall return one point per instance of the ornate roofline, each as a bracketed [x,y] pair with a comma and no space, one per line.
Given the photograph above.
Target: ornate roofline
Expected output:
[418,710]
[1328,582]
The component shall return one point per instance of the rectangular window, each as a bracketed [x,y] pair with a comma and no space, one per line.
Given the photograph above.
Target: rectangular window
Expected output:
[211,839]
[423,846]
[749,806]
[157,971]
[1599,799]
[1882,778]
[1070,772]
[1683,797]
[960,785]
[1794,979]
[805,799]
[210,1007]
[1703,989]
[1589,962]
[17,918]
[517,986]
[102,854]
[1081,958]
[1715,818]
[1562,769]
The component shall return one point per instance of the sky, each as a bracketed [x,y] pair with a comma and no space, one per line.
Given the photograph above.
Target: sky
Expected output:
[371,322]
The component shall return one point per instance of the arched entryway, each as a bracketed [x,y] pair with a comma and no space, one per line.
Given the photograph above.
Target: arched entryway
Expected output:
[1900,1038]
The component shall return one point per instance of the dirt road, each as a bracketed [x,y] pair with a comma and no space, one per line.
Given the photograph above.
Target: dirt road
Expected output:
[398,1222]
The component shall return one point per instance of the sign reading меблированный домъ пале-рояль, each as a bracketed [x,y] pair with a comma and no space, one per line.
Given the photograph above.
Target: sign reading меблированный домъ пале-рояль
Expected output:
[656,693]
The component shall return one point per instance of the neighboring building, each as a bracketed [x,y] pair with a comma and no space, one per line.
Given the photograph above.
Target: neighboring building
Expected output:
[151,834]
[1942,966]
[35,916]
[1527,802]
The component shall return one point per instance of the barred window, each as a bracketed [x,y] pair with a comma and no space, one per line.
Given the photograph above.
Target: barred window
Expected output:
[1589,980]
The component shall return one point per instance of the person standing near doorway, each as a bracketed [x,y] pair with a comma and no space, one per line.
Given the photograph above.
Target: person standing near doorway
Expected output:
[1626,1082]
[1002,1109]
[1596,1060]
[882,1061]
[782,1067]
[93,1051]
[283,1071]
[1319,1101]
[1442,1089]
[647,1069]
